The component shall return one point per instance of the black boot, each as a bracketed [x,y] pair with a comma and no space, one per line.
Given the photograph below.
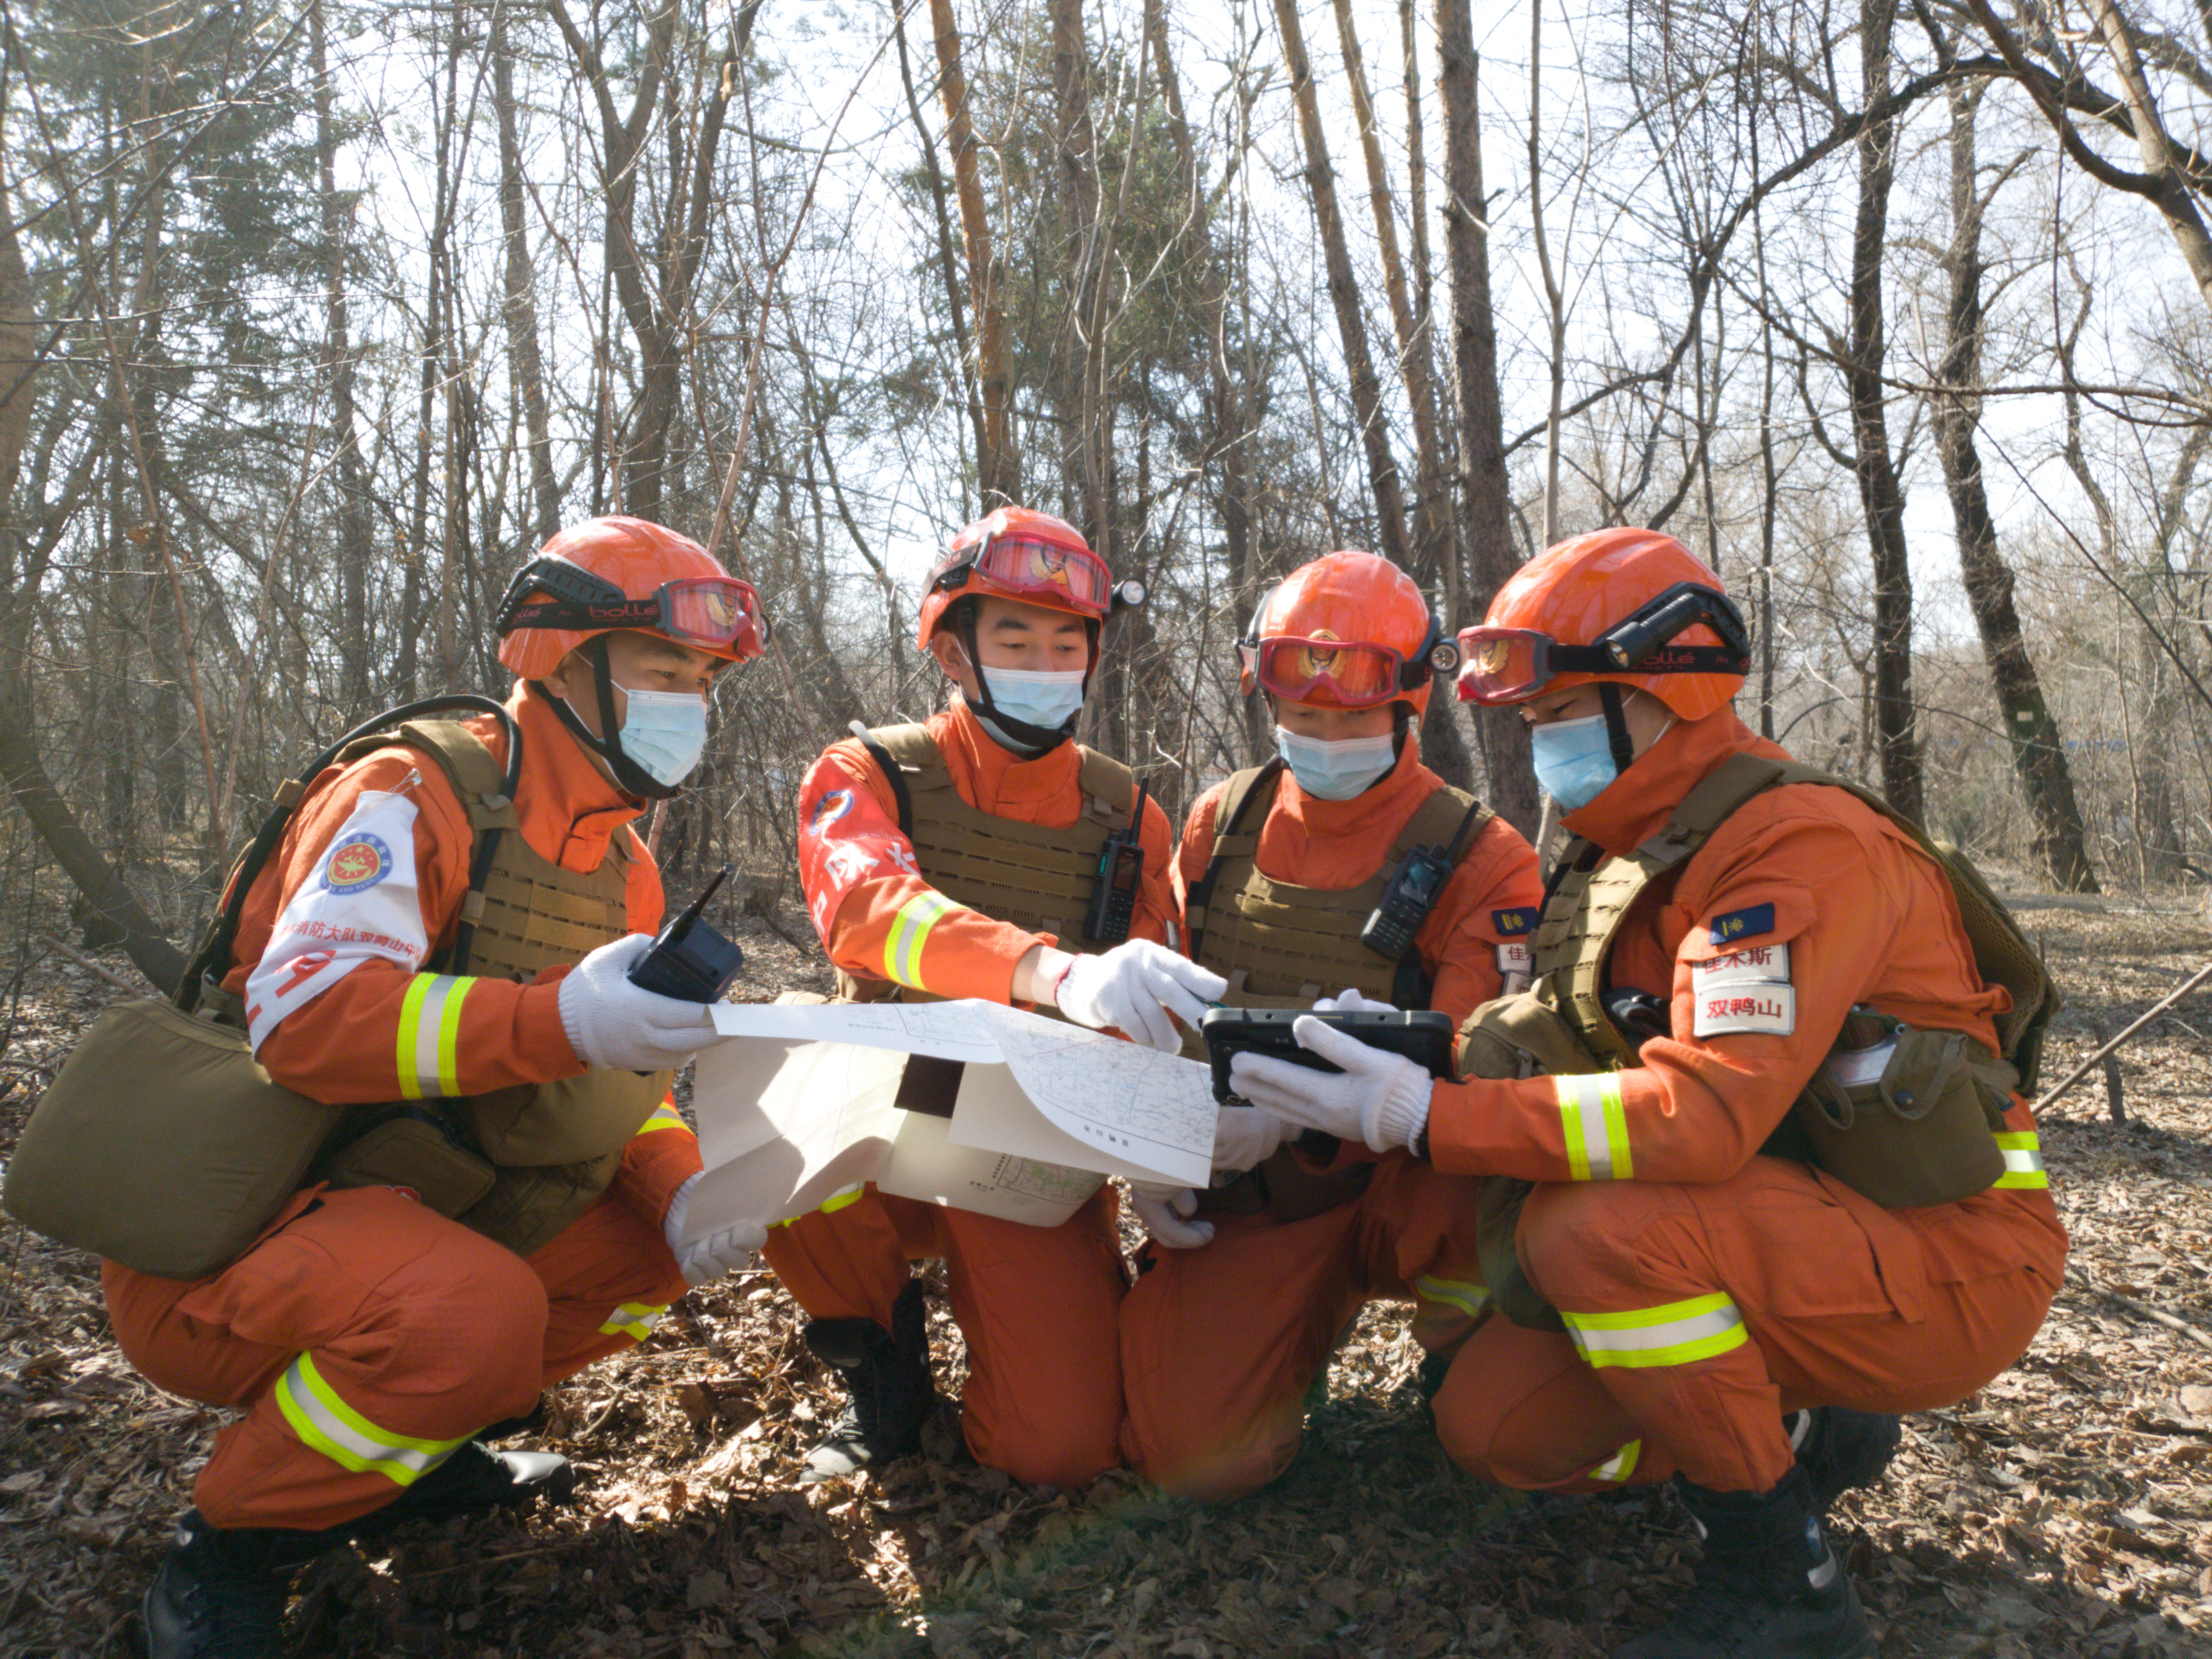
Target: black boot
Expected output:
[472,1479]
[221,1591]
[887,1376]
[1841,1450]
[1769,1587]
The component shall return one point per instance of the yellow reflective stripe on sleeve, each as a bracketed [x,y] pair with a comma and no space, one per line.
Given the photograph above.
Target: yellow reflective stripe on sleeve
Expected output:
[665,1116]
[1469,1298]
[1621,1465]
[428,1060]
[326,1424]
[1675,1333]
[2023,1156]
[1594,1126]
[909,932]
[829,1206]
[634,1320]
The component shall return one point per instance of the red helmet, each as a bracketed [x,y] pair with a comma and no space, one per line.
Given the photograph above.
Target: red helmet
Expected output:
[1032,557]
[1633,607]
[1350,630]
[609,573]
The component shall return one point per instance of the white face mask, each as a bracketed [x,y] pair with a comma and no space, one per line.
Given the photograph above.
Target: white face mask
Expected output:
[1044,697]
[664,733]
[1336,770]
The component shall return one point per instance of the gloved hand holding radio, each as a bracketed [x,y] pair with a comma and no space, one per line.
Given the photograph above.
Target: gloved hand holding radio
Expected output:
[1133,988]
[1377,1097]
[1166,1211]
[722,1252]
[614,1025]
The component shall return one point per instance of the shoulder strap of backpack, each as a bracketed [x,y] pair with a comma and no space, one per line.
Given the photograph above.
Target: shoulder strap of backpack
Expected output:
[1110,791]
[1231,840]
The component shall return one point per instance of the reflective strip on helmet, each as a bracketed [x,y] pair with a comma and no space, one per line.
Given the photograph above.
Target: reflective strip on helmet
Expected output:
[327,1424]
[909,932]
[1594,1126]
[2023,1156]
[1470,1298]
[1675,1333]
[430,1035]
[665,1116]
[1622,1464]
[634,1320]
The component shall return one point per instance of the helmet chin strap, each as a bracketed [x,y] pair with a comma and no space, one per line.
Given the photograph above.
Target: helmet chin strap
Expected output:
[1616,726]
[628,773]
[1022,739]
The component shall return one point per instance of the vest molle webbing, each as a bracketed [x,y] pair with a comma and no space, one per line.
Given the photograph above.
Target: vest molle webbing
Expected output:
[1025,874]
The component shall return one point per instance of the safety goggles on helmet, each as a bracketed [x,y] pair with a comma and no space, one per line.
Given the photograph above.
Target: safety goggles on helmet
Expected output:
[1026,568]
[1357,674]
[1511,665]
[711,613]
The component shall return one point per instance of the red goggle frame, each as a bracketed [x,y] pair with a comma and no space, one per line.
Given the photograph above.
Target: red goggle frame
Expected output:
[711,613]
[1023,567]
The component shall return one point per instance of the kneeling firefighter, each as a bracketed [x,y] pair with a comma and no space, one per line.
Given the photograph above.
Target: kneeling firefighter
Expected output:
[1342,862]
[987,854]
[1759,1173]
[434,952]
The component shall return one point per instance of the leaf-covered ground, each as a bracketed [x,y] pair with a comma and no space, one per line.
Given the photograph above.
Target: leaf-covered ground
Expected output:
[2065,1510]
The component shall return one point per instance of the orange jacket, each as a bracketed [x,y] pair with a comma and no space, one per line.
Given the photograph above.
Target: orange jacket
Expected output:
[865,892]
[344,1043]
[1485,910]
[1804,902]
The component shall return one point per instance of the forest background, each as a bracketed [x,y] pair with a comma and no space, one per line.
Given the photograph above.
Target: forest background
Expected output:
[315,321]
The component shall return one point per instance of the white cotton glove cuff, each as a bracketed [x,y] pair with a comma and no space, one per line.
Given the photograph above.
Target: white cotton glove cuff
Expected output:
[1166,1211]
[1400,1116]
[614,1025]
[1133,988]
[719,1253]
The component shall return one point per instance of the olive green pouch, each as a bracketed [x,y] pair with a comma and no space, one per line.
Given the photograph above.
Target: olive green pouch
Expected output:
[162,1145]
[578,1118]
[1921,1130]
[411,1147]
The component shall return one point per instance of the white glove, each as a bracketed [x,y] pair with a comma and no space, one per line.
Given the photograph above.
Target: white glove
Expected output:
[1377,1097]
[1244,1136]
[1166,1211]
[717,1253]
[1133,988]
[1351,1002]
[615,1026]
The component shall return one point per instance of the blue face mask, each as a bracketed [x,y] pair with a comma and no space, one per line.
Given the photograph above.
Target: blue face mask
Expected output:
[1037,696]
[1573,760]
[1338,770]
[664,733]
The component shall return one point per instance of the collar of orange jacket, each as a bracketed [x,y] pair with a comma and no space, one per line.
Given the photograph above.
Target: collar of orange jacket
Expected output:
[569,809]
[1636,805]
[994,779]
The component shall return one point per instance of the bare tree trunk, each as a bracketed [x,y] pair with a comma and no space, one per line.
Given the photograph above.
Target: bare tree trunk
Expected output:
[2037,756]
[520,307]
[1084,447]
[1881,492]
[1484,492]
[352,486]
[998,468]
[1382,475]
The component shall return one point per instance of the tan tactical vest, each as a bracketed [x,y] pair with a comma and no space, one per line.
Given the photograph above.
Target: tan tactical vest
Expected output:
[1280,946]
[516,1164]
[1025,874]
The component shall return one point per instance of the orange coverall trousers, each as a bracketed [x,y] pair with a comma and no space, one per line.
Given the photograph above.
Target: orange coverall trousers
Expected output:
[1841,1301]
[366,1337]
[1220,1343]
[1036,1305]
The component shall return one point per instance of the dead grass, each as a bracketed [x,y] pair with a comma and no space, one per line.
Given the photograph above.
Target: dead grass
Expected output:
[2065,1510]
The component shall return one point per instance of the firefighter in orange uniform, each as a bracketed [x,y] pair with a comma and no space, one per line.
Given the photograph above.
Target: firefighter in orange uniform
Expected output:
[1246,1287]
[367,1336]
[1725,934]
[962,859]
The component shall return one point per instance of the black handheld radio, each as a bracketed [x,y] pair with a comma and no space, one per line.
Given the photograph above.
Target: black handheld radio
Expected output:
[1121,873]
[691,961]
[1406,903]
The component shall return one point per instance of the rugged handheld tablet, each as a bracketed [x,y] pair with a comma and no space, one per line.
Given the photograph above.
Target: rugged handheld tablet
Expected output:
[1423,1038]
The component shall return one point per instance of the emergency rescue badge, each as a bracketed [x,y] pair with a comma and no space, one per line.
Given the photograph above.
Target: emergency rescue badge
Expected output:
[357,861]
[1741,981]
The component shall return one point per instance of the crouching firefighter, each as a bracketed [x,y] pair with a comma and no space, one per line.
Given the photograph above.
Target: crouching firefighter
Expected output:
[1761,1173]
[429,947]
[986,855]
[1343,862]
